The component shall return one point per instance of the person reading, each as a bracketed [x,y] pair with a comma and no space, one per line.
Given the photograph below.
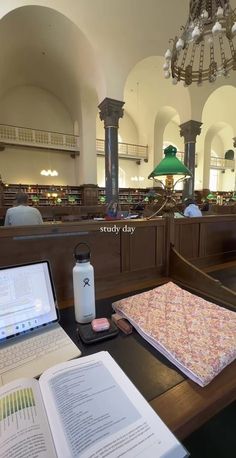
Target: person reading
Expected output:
[22,214]
[191,209]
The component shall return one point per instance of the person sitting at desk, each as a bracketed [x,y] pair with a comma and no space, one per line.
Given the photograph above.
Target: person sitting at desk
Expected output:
[22,214]
[191,209]
[205,206]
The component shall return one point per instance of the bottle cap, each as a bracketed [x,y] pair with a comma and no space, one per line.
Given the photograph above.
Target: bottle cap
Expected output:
[84,254]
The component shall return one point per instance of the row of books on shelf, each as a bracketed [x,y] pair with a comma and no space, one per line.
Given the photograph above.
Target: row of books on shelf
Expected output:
[43,194]
[74,195]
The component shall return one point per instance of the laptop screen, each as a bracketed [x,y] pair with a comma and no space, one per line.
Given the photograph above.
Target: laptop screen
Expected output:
[27,298]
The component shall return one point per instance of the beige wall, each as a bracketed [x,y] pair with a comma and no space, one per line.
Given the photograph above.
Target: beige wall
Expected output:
[127,169]
[228,180]
[19,165]
[31,106]
[172,135]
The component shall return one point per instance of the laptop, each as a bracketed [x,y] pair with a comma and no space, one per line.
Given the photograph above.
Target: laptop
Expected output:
[31,339]
[122,214]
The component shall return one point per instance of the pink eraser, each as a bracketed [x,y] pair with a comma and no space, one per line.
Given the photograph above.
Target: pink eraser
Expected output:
[100,324]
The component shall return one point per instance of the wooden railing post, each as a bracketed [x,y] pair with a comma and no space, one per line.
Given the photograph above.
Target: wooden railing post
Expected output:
[170,239]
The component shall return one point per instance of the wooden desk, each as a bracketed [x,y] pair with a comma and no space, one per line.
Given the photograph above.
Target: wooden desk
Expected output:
[123,263]
[182,404]
[185,407]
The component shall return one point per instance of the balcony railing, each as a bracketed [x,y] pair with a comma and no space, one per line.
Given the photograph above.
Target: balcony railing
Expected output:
[125,150]
[180,156]
[24,136]
[216,162]
[221,163]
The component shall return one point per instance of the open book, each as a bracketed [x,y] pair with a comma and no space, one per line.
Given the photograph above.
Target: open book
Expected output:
[84,408]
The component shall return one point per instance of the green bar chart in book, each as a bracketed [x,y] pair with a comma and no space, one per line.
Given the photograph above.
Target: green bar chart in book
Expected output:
[16,407]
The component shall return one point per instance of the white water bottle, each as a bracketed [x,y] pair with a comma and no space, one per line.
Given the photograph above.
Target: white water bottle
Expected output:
[83,285]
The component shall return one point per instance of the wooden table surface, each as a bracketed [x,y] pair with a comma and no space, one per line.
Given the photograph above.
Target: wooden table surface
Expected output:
[182,404]
[185,407]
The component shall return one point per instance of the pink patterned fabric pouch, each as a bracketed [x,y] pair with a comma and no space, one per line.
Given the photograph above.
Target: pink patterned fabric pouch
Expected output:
[199,337]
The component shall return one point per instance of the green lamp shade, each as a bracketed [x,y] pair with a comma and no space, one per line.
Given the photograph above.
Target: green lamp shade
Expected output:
[211,196]
[170,165]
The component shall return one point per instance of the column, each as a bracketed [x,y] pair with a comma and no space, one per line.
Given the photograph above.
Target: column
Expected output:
[110,112]
[86,162]
[189,130]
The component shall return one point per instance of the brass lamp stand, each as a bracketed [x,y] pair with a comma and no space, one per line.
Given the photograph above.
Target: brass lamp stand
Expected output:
[168,168]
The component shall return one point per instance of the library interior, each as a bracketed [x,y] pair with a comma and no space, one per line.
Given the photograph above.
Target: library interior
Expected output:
[117,126]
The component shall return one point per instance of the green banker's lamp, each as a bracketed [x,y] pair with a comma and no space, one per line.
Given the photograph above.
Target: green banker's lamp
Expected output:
[211,196]
[169,172]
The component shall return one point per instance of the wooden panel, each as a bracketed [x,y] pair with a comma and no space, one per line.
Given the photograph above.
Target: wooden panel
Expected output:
[56,243]
[105,256]
[143,248]
[187,237]
[196,238]
[160,246]
[218,236]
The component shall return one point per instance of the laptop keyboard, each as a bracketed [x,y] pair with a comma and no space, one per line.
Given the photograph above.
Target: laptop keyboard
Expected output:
[16,355]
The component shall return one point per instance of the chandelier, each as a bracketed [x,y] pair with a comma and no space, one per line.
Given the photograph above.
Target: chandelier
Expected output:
[205,48]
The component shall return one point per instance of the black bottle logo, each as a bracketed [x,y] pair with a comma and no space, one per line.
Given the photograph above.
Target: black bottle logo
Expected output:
[86,282]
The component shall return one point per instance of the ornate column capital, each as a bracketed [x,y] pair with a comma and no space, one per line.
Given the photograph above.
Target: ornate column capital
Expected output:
[110,112]
[234,144]
[189,130]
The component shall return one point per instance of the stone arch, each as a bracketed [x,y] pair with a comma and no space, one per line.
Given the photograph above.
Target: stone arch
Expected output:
[220,106]
[221,131]
[165,115]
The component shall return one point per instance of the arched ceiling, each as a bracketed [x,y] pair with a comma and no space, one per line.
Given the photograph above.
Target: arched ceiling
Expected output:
[216,128]
[62,45]
[147,93]
[219,111]
[223,131]
[121,32]
[41,47]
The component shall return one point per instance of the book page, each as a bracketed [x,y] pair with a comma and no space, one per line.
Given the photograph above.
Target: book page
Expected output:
[24,429]
[95,411]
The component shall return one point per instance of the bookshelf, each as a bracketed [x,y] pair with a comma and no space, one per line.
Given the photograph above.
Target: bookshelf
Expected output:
[86,195]
[42,195]
[126,195]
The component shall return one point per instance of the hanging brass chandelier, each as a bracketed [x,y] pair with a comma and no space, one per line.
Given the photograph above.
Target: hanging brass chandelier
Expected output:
[205,48]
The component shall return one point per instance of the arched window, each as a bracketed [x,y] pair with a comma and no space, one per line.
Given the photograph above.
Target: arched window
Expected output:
[214,179]
[214,173]
[122,176]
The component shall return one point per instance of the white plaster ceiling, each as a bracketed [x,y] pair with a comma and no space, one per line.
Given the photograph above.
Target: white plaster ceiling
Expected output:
[65,45]
[43,48]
